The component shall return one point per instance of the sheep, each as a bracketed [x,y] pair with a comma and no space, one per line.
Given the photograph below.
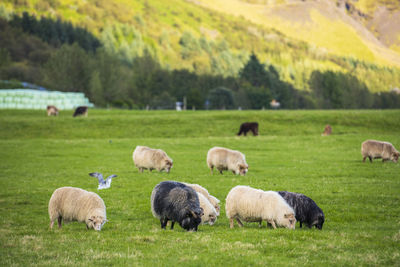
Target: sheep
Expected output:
[209,213]
[226,159]
[75,204]
[305,208]
[378,149]
[213,200]
[248,126]
[176,202]
[151,159]
[255,205]
[81,111]
[52,111]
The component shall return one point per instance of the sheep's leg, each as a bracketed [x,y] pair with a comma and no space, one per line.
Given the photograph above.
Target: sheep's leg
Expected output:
[239,222]
[59,222]
[260,224]
[231,223]
[140,169]
[212,170]
[172,225]
[301,224]
[220,171]
[364,158]
[370,159]
[51,224]
[163,222]
[272,223]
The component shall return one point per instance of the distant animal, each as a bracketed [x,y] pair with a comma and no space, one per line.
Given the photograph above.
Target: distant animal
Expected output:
[255,205]
[151,159]
[327,130]
[52,111]
[226,159]
[176,202]
[378,149]
[103,184]
[248,126]
[75,204]
[213,200]
[209,213]
[81,111]
[275,104]
[306,210]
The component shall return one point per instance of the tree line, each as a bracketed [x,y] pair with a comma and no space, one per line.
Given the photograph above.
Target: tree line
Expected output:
[57,60]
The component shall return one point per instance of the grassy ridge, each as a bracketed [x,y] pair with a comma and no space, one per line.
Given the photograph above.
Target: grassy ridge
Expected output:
[360,201]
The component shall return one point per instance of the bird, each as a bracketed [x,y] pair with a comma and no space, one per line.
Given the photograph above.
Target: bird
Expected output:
[103,184]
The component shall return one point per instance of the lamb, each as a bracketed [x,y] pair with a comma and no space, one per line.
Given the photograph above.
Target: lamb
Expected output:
[209,213]
[52,111]
[378,149]
[255,205]
[75,204]
[81,111]
[226,159]
[213,200]
[248,126]
[176,202]
[307,211]
[151,159]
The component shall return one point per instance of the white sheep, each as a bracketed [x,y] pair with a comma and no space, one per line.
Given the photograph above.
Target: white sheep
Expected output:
[227,159]
[213,200]
[151,159]
[377,149]
[75,204]
[255,205]
[209,213]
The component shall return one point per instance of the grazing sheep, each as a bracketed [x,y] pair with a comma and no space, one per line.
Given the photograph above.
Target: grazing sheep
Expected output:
[81,111]
[226,159]
[75,204]
[176,202]
[377,149]
[209,213]
[306,209]
[213,200]
[248,126]
[327,130]
[52,111]
[255,205]
[151,159]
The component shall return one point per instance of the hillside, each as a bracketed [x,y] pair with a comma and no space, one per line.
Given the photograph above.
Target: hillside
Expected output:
[140,54]
[323,23]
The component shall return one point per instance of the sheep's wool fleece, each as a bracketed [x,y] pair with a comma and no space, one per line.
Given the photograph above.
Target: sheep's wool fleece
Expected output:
[75,204]
[254,205]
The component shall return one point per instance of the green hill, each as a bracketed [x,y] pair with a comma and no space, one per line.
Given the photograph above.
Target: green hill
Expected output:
[208,38]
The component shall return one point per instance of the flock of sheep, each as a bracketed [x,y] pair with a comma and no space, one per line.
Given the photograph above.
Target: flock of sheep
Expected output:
[191,204]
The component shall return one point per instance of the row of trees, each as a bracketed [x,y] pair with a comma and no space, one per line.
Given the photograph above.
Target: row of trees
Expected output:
[108,80]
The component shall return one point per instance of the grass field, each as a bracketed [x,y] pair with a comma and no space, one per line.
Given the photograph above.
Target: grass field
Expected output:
[360,200]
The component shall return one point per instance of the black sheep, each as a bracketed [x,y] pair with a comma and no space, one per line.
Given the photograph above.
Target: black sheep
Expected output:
[305,208]
[178,203]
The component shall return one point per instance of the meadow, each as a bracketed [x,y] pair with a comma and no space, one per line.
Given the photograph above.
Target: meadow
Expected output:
[360,200]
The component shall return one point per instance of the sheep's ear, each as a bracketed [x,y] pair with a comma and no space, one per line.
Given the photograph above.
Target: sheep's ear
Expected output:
[288,215]
[90,219]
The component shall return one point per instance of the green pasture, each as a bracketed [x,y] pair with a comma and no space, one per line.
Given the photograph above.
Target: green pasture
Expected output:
[361,201]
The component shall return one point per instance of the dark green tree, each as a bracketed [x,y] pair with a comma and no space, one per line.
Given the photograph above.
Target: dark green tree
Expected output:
[221,98]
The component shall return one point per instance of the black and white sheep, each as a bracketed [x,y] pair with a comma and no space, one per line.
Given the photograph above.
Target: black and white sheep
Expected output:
[306,210]
[176,202]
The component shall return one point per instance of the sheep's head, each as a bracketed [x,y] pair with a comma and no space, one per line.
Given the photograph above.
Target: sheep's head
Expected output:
[242,169]
[168,165]
[395,156]
[191,219]
[319,221]
[212,218]
[289,221]
[96,222]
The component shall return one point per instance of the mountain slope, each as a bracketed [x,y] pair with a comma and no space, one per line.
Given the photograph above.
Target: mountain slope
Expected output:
[207,37]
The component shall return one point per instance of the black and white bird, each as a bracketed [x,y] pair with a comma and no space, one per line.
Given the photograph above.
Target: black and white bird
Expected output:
[103,184]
